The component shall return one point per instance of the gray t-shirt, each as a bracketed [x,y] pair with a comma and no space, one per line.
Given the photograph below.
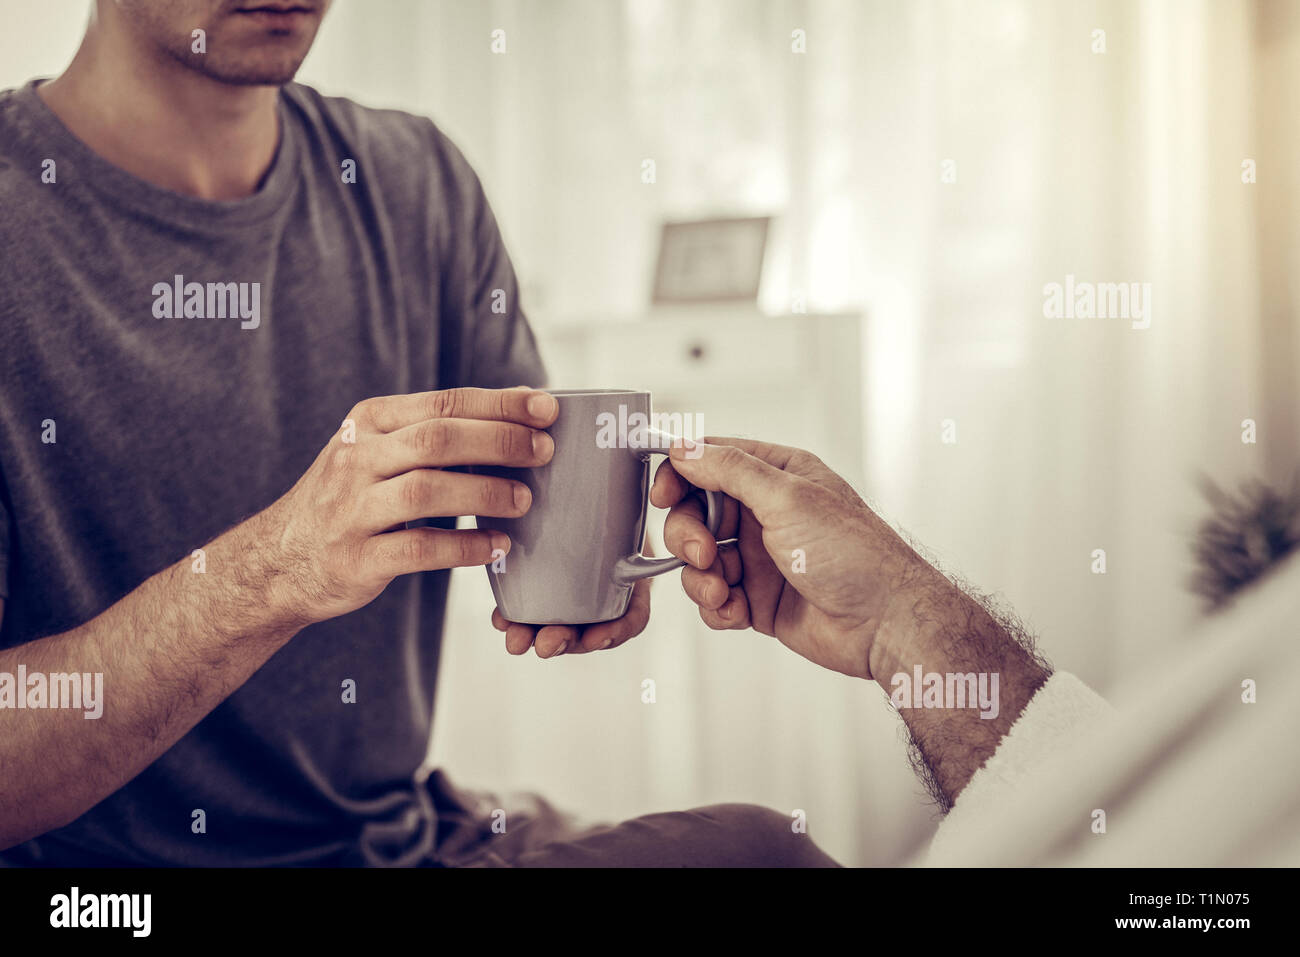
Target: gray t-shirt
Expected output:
[167,431]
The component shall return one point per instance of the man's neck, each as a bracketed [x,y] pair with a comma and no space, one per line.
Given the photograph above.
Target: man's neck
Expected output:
[167,124]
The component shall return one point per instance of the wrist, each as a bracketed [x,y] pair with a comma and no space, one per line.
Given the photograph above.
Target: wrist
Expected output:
[268,596]
[908,625]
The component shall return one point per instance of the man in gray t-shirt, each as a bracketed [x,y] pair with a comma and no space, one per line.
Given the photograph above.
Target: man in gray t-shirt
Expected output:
[246,332]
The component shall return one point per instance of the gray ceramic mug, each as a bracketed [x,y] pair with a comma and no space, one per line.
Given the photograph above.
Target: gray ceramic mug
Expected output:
[575,555]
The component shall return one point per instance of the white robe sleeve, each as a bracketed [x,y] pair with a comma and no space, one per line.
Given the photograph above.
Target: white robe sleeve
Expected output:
[1062,713]
[1196,765]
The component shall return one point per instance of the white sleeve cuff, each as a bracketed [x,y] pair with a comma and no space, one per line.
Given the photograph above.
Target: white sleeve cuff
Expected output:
[1061,713]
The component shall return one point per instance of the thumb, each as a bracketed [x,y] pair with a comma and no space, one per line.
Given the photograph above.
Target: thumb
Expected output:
[762,488]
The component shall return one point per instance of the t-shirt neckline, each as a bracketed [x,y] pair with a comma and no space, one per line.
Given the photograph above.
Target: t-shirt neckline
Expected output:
[123,187]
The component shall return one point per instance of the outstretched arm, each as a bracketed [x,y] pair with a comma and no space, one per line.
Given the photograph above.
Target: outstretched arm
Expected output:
[814,567]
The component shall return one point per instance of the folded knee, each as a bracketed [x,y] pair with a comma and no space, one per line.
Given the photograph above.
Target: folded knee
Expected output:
[753,836]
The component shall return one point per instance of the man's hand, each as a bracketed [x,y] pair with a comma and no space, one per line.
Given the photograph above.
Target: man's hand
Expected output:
[552,640]
[179,644]
[813,565]
[338,537]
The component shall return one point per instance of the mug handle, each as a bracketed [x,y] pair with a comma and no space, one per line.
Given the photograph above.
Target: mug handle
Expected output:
[633,568]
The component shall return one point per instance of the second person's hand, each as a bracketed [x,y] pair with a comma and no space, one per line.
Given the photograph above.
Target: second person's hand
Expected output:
[813,565]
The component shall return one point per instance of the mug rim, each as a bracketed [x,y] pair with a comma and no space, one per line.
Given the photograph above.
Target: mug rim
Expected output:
[559,393]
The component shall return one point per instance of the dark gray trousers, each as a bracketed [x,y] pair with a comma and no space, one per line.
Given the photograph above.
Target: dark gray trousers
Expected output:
[479,829]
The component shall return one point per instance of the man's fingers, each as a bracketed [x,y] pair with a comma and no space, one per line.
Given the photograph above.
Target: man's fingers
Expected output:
[429,549]
[519,638]
[764,488]
[771,453]
[443,443]
[732,566]
[525,406]
[708,589]
[551,641]
[733,615]
[554,640]
[736,611]
[668,487]
[431,493]
[686,535]
[607,635]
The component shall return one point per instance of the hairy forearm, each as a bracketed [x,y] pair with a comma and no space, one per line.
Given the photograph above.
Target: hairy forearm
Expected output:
[936,626]
[169,652]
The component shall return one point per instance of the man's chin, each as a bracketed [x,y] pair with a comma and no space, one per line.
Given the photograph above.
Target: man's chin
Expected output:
[276,78]
[253,57]
[250,72]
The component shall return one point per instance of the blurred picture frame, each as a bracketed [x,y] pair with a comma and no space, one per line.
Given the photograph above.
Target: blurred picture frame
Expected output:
[711,260]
